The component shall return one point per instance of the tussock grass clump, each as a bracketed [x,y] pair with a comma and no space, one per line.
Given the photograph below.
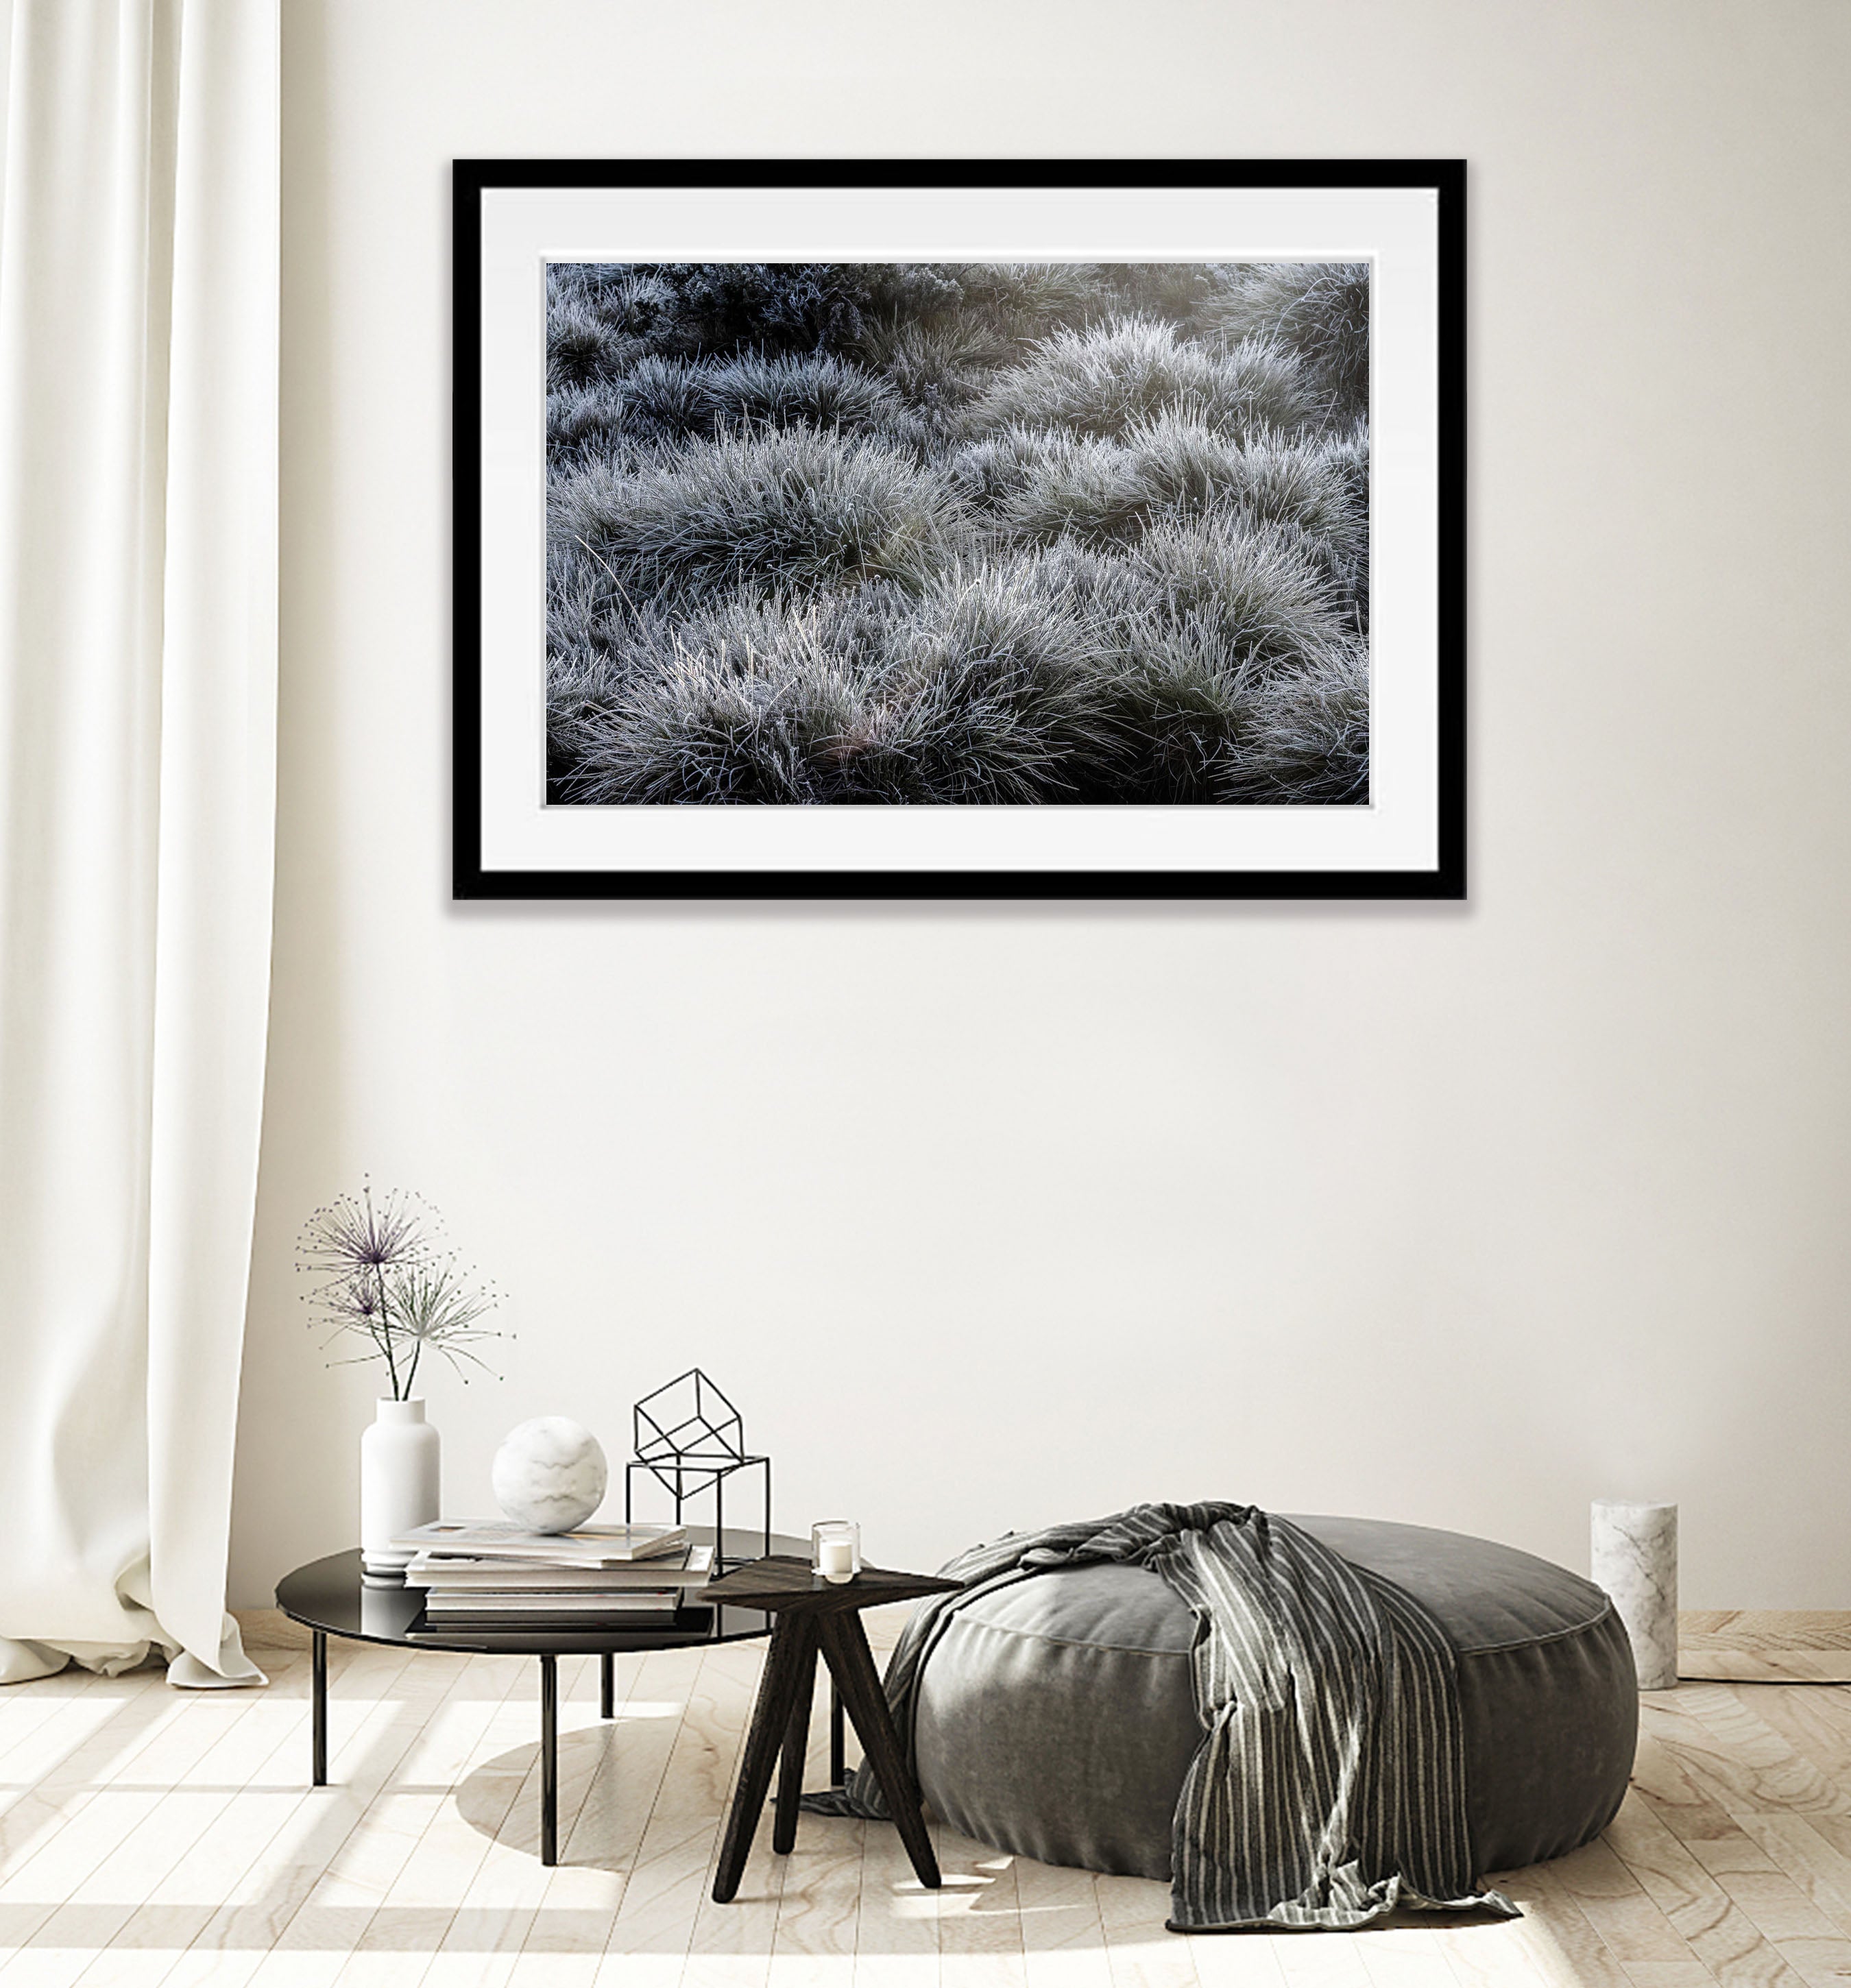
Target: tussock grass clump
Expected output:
[583,421]
[754,390]
[599,321]
[581,348]
[1081,487]
[1308,482]
[967,694]
[1025,301]
[933,367]
[1186,705]
[1308,738]
[1101,380]
[1171,468]
[663,399]
[989,471]
[740,705]
[1262,600]
[666,400]
[796,508]
[1319,311]
[934,534]
[629,299]
[993,695]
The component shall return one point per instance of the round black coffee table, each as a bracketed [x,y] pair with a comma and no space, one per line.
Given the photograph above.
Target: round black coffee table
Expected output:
[333,1598]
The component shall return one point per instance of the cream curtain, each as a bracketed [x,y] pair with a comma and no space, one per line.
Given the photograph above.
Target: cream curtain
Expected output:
[139,279]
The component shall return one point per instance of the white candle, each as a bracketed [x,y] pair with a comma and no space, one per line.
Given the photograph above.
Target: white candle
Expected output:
[835,1560]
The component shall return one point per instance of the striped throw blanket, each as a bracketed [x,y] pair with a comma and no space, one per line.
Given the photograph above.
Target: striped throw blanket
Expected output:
[1329,1786]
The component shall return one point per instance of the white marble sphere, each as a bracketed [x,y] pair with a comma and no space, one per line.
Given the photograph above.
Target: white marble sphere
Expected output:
[549,1474]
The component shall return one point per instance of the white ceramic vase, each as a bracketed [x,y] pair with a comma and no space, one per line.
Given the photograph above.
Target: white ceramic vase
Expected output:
[400,1469]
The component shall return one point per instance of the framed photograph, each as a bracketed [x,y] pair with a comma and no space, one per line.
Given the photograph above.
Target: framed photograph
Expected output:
[953,530]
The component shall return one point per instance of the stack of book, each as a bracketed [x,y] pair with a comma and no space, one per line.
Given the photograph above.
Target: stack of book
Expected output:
[481,1573]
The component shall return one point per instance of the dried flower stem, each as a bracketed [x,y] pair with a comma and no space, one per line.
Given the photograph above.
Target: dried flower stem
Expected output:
[384,1277]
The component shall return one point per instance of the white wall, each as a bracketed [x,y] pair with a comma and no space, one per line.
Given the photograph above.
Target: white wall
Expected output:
[990,1217]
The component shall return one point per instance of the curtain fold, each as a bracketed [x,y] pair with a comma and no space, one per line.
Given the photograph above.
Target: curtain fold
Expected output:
[140,251]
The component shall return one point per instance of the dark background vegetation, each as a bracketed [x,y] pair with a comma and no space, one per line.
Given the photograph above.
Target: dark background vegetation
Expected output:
[927,532]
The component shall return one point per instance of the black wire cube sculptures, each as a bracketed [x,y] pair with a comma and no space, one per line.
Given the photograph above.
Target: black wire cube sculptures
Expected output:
[690,1438]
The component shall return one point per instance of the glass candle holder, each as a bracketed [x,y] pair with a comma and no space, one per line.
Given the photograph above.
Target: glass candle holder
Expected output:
[835,1549]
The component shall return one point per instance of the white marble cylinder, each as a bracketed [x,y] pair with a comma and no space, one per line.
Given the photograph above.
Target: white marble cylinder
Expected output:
[1634,1558]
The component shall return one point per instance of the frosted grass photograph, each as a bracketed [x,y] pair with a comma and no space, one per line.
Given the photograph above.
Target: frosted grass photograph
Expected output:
[996,534]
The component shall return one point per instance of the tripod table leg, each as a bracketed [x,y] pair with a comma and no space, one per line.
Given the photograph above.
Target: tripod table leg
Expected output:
[797,1743]
[845,1650]
[771,1720]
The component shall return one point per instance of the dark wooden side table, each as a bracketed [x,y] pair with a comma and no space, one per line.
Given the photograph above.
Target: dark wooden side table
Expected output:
[812,1617]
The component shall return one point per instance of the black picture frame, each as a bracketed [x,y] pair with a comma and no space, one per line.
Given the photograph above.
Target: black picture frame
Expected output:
[473,878]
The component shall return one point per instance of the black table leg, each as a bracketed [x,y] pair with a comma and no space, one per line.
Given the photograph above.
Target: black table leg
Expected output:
[549,1759]
[845,1645]
[838,1751]
[797,1744]
[318,1710]
[606,1685]
[764,1740]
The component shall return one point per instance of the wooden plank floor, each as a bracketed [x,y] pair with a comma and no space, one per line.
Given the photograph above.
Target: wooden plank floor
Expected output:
[1793,1646]
[149,1836]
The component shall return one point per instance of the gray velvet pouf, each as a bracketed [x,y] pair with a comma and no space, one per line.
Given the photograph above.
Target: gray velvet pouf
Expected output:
[1057,1716]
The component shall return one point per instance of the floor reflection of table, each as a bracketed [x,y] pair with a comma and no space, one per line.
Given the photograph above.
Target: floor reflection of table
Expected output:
[333,1597]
